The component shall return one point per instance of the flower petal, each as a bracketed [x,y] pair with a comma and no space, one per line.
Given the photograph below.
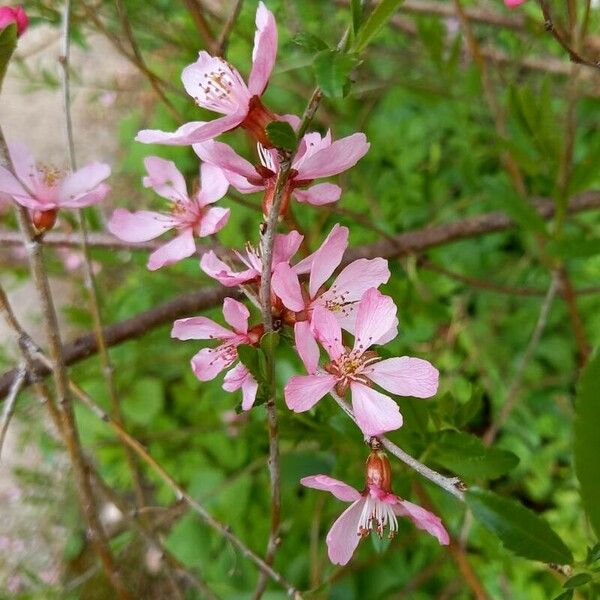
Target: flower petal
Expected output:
[338,157]
[327,258]
[236,314]
[405,376]
[423,519]
[83,180]
[139,226]
[199,328]
[317,195]
[213,220]
[302,392]
[328,331]
[240,377]
[286,286]
[224,156]
[209,362]
[375,412]
[164,178]
[264,52]
[357,278]
[24,164]
[376,315]
[10,185]
[177,249]
[306,346]
[285,246]
[214,267]
[342,539]
[342,491]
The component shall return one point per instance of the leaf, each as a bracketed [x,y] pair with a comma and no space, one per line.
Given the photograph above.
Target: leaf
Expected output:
[466,455]
[356,11]
[577,580]
[8,43]
[574,248]
[310,42]
[568,595]
[332,69]
[253,359]
[269,341]
[377,19]
[144,401]
[587,425]
[520,529]
[282,135]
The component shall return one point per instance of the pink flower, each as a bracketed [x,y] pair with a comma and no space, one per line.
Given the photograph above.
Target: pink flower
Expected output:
[188,216]
[285,246]
[14,14]
[216,85]
[513,3]
[359,368]
[316,157]
[375,509]
[44,189]
[209,362]
[341,299]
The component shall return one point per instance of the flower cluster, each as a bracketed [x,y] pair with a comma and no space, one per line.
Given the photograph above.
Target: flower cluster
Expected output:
[16,15]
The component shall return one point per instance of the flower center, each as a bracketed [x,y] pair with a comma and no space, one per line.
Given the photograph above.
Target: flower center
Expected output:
[219,87]
[348,367]
[376,516]
[50,175]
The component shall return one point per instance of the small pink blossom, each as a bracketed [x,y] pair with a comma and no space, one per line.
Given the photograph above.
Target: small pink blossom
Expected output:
[285,246]
[316,157]
[357,369]
[513,3]
[373,510]
[341,299]
[44,189]
[189,216]
[14,14]
[215,85]
[209,362]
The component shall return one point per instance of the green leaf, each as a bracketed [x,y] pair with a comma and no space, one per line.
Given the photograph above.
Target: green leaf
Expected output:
[332,69]
[254,360]
[377,19]
[586,428]
[593,554]
[8,43]
[144,400]
[310,42]
[568,595]
[519,528]
[282,135]
[356,11]
[577,580]
[269,341]
[574,248]
[466,455]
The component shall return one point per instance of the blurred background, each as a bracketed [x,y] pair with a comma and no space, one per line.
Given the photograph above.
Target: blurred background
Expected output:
[466,115]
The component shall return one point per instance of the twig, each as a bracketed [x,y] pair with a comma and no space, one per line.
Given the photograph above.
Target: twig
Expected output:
[88,272]
[513,390]
[228,27]
[197,13]
[453,485]
[11,402]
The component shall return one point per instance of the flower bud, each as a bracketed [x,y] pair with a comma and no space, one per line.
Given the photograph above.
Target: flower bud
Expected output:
[379,471]
[16,15]
[43,220]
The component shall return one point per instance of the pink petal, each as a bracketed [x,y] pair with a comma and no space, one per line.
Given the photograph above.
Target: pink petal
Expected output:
[357,278]
[227,158]
[199,328]
[342,491]
[10,185]
[32,203]
[342,539]
[513,3]
[306,346]
[310,144]
[240,377]
[213,220]
[375,413]
[285,246]
[317,195]
[405,376]
[328,331]
[217,269]
[191,133]
[83,180]
[286,286]
[214,184]
[302,392]
[139,226]
[375,316]
[264,51]
[423,519]
[88,198]
[293,120]
[24,164]
[177,249]
[164,178]
[338,157]
[236,314]
[209,362]
[327,258]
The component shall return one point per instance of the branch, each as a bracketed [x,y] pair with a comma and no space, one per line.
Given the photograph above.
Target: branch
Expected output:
[11,402]
[196,12]
[223,41]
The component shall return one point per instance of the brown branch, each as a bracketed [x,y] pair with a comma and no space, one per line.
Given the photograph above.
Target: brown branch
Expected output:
[196,11]
[228,27]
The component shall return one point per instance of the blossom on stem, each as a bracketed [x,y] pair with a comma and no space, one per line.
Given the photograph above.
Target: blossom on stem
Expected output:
[513,3]
[316,157]
[375,509]
[16,15]
[209,362]
[341,299]
[188,216]
[357,369]
[217,86]
[44,189]
[284,247]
